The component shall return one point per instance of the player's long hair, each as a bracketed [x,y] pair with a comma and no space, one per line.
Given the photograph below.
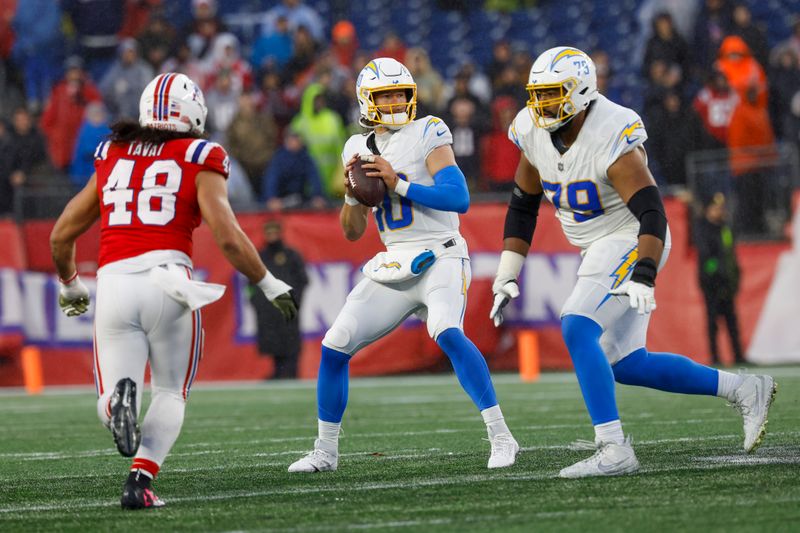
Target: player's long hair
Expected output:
[129,130]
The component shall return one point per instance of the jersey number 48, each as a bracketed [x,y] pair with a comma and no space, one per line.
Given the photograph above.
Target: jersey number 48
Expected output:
[117,192]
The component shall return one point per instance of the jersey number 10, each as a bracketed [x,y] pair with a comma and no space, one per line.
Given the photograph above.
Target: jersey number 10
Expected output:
[116,192]
[385,212]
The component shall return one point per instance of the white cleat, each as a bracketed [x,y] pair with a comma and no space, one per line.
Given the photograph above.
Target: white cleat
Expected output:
[318,460]
[753,399]
[504,451]
[610,459]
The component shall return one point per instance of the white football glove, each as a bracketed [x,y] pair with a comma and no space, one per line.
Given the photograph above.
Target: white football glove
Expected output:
[505,286]
[504,291]
[73,297]
[642,297]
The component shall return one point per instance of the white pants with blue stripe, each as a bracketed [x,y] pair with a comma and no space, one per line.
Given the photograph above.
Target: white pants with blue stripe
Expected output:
[136,323]
[374,309]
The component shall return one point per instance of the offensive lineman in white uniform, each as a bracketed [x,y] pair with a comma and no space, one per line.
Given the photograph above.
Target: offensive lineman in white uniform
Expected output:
[425,269]
[585,154]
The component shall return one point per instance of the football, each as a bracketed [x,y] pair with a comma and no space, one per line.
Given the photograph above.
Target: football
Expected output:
[366,189]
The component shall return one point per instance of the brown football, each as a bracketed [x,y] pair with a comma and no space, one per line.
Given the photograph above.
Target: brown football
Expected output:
[366,189]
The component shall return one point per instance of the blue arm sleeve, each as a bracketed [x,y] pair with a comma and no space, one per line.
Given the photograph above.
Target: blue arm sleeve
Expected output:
[448,193]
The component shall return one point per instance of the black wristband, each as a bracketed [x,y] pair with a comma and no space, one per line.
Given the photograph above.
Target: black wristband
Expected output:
[645,272]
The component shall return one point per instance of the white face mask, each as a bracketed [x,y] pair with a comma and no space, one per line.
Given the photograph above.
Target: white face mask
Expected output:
[395,121]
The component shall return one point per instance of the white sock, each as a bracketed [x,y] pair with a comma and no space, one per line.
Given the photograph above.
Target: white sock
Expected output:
[329,435]
[162,425]
[609,432]
[727,384]
[495,423]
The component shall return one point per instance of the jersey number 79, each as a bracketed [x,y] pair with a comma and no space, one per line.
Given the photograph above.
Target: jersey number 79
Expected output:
[582,198]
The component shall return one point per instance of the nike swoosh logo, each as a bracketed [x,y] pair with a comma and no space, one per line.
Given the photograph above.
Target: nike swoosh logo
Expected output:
[603,467]
[439,133]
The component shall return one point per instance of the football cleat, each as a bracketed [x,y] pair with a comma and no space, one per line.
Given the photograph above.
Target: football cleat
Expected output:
[753,399]
[504,451]
[123,423]
[138,494]
[318,460]
[610,459]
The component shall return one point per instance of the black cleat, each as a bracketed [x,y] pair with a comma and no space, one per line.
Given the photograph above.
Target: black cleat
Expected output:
[123,423]
[138,494]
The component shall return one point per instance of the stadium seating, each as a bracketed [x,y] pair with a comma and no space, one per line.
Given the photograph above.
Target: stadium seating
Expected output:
[453,37]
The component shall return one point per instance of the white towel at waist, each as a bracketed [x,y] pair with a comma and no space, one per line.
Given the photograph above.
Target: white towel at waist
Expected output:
[193,294]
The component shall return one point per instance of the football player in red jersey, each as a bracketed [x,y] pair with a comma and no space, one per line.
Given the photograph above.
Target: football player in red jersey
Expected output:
[153,182]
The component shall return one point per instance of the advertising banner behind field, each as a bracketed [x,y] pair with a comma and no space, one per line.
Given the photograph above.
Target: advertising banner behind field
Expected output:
[29,313]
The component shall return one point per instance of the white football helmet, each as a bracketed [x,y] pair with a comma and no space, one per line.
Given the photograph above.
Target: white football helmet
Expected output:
[173,102]
[385,74]
[561,76]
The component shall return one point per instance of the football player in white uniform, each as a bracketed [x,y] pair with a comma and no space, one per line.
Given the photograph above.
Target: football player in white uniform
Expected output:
[586,154]
[425,269]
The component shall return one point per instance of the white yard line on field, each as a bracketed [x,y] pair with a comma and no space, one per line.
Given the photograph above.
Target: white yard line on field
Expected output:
[45,456]
[790,372]
[72,506]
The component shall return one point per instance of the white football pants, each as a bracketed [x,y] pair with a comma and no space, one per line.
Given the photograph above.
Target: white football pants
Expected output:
[374,309]
[608,263]
[136,322]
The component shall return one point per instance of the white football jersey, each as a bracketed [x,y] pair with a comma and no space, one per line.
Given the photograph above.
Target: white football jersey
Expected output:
[587,205]
[402,223]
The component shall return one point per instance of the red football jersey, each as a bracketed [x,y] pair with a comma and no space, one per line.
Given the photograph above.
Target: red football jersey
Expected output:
[148,197]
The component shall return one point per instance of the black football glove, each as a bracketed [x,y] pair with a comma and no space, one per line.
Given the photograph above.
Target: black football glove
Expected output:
[287,305]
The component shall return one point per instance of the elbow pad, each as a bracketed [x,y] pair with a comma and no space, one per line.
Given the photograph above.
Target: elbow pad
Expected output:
[648,208]
[523,210]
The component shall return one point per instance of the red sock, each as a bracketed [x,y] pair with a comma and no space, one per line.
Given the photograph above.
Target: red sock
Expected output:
[147,466]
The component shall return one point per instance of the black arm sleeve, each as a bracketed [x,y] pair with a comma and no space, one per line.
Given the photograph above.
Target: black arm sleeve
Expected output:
[647,207]
[523,210]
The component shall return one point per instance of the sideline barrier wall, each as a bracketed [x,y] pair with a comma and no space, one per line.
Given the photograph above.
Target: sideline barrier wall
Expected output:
[28,306]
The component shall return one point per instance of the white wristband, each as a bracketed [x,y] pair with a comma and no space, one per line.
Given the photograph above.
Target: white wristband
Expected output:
[272,287]
[402,187]
[349,200]
[510,265]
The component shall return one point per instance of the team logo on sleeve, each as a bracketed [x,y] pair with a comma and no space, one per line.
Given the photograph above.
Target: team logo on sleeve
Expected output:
[433,122]
[629,134]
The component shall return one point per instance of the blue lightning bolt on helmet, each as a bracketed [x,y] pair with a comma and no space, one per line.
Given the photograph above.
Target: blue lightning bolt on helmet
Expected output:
[561,76]
[385,74]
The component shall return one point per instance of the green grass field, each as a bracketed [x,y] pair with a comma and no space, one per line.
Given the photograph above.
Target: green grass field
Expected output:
[413,459]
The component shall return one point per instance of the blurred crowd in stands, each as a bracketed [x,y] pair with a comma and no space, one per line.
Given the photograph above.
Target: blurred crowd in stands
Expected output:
[282,103]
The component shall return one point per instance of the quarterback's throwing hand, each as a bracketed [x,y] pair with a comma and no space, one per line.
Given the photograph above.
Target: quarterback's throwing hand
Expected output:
[73,297]
[378,167]
[504,291]
[642,296]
